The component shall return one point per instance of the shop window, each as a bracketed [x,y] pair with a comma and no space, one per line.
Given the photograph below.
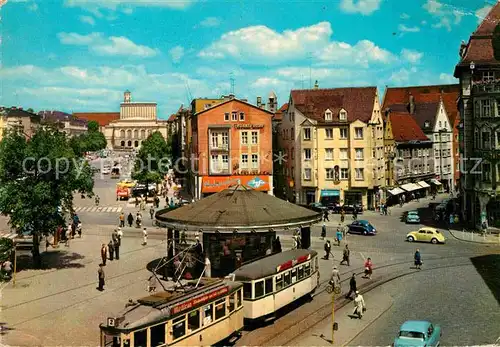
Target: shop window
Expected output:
[231,302]
[269,285]
[141,338]
[288,279]
[259,289]
[220,309]
[207,315]
[178,330]
[194,320]
[300,272]
[247,290]
[158,335]
[279,282]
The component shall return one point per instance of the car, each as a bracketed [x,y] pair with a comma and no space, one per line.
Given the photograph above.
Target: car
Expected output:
[349,209]
[426,235]
[317,206]
[361,227]
[417,333]
[126,183]
[412,217]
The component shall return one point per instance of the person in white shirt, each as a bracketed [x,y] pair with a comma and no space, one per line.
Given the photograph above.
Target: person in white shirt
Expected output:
[145,237]
[359,305]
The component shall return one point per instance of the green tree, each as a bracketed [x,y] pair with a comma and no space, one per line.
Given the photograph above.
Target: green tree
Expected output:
[153,159]
[38,177]
[93,126]
[91,141]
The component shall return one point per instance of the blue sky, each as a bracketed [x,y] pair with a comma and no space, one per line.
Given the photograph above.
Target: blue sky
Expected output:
[80,55]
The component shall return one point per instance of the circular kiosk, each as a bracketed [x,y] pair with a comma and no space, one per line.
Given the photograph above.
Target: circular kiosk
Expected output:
[236,226]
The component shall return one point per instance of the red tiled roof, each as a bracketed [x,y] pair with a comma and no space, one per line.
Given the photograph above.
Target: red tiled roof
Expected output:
[171,118]
[103,118]
[279,114]
[489,23]
[405,128]
[358,102]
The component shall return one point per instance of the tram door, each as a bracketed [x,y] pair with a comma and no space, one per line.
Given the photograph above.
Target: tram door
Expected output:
[305,237]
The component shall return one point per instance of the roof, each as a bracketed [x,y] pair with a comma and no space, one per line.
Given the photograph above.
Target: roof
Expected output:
[103,118]
[171,118]
[415,325]
[267,266]
[235,208]
[405,128]
[278,115]
[424,112]
[58,116]
[233,100]
[357,101]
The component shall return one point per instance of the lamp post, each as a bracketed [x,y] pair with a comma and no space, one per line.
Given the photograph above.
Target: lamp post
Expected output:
[472,67]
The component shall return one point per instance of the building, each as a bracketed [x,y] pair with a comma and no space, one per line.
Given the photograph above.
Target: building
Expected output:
[479,73]
[65,122]
[102,118]
[436,112]
[332,142]
[278,171]
[17,118]
[231,144]
[409,157]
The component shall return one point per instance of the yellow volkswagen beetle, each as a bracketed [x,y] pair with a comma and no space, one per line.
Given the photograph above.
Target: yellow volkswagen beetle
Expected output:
[426,235]
[127,183]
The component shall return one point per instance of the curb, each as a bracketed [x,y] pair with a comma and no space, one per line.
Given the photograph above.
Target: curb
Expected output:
[470,241]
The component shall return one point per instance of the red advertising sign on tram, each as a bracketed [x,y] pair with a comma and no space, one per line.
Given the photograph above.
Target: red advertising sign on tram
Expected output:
[198,300]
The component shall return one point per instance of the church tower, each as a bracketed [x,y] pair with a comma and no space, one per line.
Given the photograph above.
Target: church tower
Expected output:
[272,105]
[127,96]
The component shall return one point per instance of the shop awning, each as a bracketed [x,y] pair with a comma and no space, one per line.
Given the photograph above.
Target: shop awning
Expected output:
[410,187]
[423,184]
[435,182]
[396,191]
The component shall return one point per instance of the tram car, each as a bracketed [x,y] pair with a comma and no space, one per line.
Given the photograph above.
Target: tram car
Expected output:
[276,281]
[202,314]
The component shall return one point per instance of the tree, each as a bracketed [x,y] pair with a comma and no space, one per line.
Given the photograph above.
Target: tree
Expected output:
[38,177]
[93,126]
[92,141]
[153,159]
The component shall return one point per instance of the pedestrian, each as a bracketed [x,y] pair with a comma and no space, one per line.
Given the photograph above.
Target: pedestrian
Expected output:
[104,254]
[136,201]
[323,231]
[116,246]
[138,220]
[120,235]
[7,268]
[325,216]
[295,242]
[122,220]
[101,276]
[152,211]
[111,249]
[335,278]
[418,259]
[130,219]
[342,216]
[368,268]
[338,236]
[97,200]
[352,286]
[157,201]
[355,213]
[359,305]
[277,245]
[68,236]
[144,237]
[328,248]
[345,255]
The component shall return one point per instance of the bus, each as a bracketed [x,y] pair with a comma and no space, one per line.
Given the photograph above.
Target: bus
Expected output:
[199,314]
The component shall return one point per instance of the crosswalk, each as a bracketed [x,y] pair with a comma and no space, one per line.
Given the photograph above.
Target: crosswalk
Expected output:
[100,209]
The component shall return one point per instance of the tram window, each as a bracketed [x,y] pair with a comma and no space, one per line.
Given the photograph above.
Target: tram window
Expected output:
[269,285]
[294,275]
[179,327]
[207,314]
[300,272]
[288,279]
[220,309]
[194,320]
[259,289]
[111,341]
[307,269]
[231,302]
[247,290]
[279,282]
[141,338]
[238,298]
[158,335]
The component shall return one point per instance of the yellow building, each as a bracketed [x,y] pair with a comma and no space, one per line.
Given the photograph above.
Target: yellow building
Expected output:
[334,146]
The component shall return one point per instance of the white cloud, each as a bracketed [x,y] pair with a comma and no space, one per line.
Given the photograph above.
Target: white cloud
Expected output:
[210,22]
[114,45]
[444,13]
[176,53]
[407,29]
[362,53]
[433,7]
[269,82]
[447,78]
[402,76]
[88,20]
[482,13]
[128,10]
[364,7]
[33,7]
[444,22]
[404,16]
[411,56]
[96,5]
[458,16]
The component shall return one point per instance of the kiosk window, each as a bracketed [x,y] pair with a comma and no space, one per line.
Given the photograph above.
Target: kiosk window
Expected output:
[194,320]
[269,285]
[308,269]
[247,290]
[220,309]
[231,302]
[259,289]
[158,335]
[279,282]
[141,338]
[238,298]
[287,279]
[300,272]
[294,275]
[179,328]
[207,314]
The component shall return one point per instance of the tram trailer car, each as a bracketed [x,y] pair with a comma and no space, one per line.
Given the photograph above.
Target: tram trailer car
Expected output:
[276,281]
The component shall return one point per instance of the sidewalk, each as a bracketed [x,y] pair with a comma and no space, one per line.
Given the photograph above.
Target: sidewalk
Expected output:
[475,237]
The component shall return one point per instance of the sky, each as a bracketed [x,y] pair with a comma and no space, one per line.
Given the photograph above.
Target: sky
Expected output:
[81,55]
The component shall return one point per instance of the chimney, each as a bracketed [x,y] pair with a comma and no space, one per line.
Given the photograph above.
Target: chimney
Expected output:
[231,96]
[259,101]
[412,104]
[316,85]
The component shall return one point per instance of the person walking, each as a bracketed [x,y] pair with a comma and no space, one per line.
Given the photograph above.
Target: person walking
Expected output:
[144,237]
[130,219]
[97,200]
[116,245]
[138,220]
[342,216]
[208,267]
[323,231]
[335,278]
[325,216]
[328,248]
[359,305]
[122,220]
[101,277]
[418,259]
[152,211]
[368,268]
[345,255]
[338,236]
[352,286]
[111,250]
[295,242]
[104,254]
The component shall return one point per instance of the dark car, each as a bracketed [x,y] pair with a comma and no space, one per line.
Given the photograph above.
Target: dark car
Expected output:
[361,227]
[317,206]
[349,209]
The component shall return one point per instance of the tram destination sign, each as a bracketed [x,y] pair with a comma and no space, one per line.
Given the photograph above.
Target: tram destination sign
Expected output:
[186,305]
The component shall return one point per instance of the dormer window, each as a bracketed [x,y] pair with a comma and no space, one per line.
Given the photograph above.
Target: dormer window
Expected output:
[343,115]
[328,116]
[427,124]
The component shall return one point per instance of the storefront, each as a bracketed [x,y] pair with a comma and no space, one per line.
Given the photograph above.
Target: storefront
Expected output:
[425,188]
[330,197]
[353,198]
[309,195]
[411,190]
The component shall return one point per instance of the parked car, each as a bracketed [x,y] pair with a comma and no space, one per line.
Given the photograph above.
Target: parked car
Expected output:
[426,235]
[127,183]
[361,227]
[317,206]
[412,217]
[348,208]
[417,333]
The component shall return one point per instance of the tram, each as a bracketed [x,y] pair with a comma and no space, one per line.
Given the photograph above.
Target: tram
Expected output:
[203,314]
[276,281]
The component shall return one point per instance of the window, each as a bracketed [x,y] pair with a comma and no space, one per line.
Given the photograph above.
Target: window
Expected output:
[307,154]
[485,137]
[488,75]
[231,303]
[244,138]
[247,290]
[220,309]
[486,172]
[279,282]
[329,133]
[359,174]
[234,116]
[301,272]
[225,162]
[486,108]
[244,161]
[292,134]
[307,134]
[343,115]
[255,161]
[344,174]
[215,140]
[329,153]
[307,174]
[178,328]
[141,338]
[359,153]
[242,116]
[328,116]
[419,152]
[344,154]
[329,174]
[440,124]
[255,137]
[294,275]
[343,133]
[269,285]
[436,153]
[293,153]
[427,124]
[215,163]
[259,289]
[193,320]
[358,133]
[497,138]
[288,278]
[207,314]
[158,335]
[226,116]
